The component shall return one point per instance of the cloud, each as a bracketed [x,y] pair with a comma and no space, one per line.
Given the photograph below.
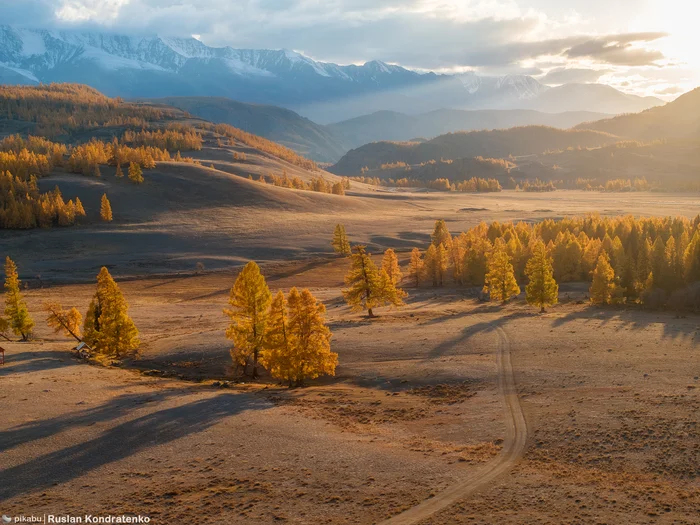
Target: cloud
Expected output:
[619,49]
[564,75]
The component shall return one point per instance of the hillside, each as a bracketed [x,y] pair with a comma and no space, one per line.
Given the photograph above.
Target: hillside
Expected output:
[520,141]
[393,126]
[676,120]
[277,124]
[590,97]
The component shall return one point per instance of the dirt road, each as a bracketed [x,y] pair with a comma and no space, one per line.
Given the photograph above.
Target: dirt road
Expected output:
[516,438]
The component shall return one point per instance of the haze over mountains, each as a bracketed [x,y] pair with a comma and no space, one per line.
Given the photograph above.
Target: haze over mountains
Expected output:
[324,92]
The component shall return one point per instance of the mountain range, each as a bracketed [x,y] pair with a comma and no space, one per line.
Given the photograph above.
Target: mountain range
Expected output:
[156,66]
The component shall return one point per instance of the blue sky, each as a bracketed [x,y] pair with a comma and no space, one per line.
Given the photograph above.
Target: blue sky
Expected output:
[646,47]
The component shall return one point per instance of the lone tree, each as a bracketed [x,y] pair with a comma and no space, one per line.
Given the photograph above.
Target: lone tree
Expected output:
[340,242]
[500,279]
[250,303]
[66,321]
[297,345]
[135,173]
[108,329]
[390,264]
[603,285]
[105,209]
[369,288]
[542,290]
[16,309]
[416,267]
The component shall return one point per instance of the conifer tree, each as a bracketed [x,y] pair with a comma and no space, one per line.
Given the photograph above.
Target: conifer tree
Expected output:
[249,302]
[277,355]
[119,173]
[368,288]
[4,327]
[658,264]
[79,210]
[108,328]
[441,235]
[542,290]
[67,321]
[416,267]
[135,173]
[340,243]
[500,280]
[105,209]
[603,285]
[390,264]
[16,309]
[436,261]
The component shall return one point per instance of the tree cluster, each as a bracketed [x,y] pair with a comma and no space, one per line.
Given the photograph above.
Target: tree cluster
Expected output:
[168,139]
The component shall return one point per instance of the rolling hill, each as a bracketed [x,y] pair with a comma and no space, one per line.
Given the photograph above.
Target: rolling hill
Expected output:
[274,123]
[519,141]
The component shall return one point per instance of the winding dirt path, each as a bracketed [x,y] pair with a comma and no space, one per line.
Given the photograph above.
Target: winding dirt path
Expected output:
[514,444]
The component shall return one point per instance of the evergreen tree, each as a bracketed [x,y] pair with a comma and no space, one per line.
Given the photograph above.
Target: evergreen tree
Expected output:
[249,310]
[105,209]
[16,309]
[390,264]
[603,285]
[542,290]
[66,321]
[441,235]
[416,267]
[108,329]
[500,280]
[135,173]
[79,210]
[340,242]
[368,288]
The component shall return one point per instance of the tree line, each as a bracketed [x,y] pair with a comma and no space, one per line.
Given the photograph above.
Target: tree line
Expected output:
[318,184]
[473,185]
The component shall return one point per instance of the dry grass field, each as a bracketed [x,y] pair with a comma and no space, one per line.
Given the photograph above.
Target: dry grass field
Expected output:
[609,396]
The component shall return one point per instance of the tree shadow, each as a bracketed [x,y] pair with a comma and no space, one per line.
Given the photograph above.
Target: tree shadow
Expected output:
[123,441]
[35,361]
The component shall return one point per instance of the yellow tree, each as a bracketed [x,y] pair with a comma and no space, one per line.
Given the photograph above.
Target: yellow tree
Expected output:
[119,173]
[542,290]
[135,173]
[340,243]
[603,285]
[441,235]
[368,288]
[390,264]
[416,267]
[66,321]
[277,353]
[436,260]
[16,309]
[310,337]
[4,327]
[500,280]
[105,209]
[249,309]
[108,329]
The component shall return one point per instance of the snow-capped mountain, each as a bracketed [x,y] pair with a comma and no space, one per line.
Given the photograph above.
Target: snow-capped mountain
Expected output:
[158,66]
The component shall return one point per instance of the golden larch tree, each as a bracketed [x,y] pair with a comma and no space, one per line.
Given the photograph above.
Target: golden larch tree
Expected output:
[119,173]
[16,309]
[67,321]
[500,280]
[105,209]
[340,242]
[249,302]
[542,290]
[277,354]
[416,267]
[603,285]
[441,234]
[135,173]
[390,264]
[108,328]
[367,287]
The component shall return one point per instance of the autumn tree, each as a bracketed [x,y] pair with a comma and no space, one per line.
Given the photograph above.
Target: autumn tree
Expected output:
[416,267]
[67,321]
[500,279]
[369,288]
[542,290]
[441,234]
[119,173]
[135,173]
[4,327]
[249,302]
[277,355]
[340,243]
[16,309]
[436,261]
[108,328]
[390,264]
[603,285]
[105,209]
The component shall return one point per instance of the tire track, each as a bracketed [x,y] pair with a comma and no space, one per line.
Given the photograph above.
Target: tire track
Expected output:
[514,445]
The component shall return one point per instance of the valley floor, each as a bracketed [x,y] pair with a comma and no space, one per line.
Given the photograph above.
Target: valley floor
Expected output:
[610,399]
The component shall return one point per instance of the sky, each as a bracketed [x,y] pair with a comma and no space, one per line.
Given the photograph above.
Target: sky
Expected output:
[644,47]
